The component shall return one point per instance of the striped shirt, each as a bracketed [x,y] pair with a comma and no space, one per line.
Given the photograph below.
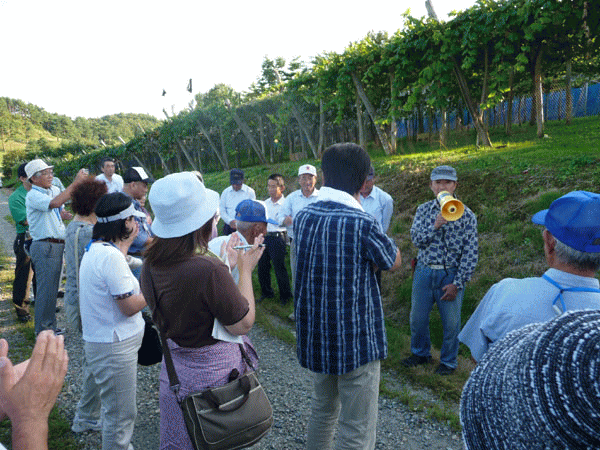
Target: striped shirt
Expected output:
[339,314]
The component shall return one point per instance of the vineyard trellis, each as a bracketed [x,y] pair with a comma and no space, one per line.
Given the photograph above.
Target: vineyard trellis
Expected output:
[540,57]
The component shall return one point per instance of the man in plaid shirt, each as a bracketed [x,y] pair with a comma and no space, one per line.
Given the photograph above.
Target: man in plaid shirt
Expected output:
[339,314]
[446,260]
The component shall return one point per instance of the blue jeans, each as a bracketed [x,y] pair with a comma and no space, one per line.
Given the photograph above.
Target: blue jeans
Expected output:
[427,290]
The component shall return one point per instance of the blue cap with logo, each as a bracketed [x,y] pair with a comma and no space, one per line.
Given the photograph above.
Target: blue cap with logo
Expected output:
[574,219]
[252,211]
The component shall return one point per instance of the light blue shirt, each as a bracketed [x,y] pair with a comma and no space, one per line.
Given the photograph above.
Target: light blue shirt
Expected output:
[230,199]
[43,221]
[294,203]
[513,303]
[380,205]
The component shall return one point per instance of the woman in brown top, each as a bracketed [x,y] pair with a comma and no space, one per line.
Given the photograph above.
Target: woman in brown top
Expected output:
[189,291]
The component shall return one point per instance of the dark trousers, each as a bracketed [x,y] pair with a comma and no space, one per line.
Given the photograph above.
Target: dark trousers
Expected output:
[274,251]
[20,291]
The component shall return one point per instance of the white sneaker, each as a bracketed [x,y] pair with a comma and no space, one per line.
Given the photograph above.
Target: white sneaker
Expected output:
[79,426]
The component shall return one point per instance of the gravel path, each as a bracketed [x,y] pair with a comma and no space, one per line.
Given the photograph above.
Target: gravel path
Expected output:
[287,384]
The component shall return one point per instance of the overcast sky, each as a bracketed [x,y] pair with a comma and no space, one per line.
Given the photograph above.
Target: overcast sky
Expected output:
[90,59]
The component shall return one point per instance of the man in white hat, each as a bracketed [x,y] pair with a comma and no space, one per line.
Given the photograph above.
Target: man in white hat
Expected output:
[44,214]
[307,194]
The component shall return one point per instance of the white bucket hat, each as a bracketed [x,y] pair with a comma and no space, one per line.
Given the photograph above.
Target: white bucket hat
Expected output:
[181,204]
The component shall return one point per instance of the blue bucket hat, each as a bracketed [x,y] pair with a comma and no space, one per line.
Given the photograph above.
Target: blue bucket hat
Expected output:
[574,219]
[252,211]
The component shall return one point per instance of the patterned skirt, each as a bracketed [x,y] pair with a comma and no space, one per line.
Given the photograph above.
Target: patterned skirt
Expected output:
[198,369]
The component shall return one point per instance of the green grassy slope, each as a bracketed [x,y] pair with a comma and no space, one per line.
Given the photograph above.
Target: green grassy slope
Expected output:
[504,186]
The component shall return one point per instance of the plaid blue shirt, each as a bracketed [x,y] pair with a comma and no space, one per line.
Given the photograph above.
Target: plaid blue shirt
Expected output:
[339,315]
[452,245]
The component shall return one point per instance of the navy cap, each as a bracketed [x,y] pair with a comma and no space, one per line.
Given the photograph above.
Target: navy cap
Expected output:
[371,173]
[574,219]
[252,211]
[236,176]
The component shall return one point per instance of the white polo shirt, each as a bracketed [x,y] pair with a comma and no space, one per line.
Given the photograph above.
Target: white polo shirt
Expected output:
[273,209]
[103,274]
[294,203]
[114,185]
[230,199]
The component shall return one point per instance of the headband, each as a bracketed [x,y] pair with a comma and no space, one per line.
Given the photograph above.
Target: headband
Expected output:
[130,211]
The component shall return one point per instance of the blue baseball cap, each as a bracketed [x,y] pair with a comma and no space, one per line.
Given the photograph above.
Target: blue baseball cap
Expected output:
[574,219]
[252,211]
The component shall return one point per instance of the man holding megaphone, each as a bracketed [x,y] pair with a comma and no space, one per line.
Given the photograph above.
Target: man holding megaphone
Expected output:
[445,232]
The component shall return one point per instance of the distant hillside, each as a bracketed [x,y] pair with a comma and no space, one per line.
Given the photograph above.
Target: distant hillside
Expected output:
[27,128]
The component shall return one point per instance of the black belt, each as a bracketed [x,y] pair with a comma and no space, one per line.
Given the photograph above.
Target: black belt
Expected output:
[53,240]
[275,233]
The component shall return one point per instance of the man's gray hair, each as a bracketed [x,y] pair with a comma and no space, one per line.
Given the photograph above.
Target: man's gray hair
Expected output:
[582,261]
[243,226]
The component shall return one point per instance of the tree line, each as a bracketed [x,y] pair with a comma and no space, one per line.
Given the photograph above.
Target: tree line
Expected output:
[487,54]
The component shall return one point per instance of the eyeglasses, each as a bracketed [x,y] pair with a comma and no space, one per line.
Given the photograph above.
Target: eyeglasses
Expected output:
[45,172]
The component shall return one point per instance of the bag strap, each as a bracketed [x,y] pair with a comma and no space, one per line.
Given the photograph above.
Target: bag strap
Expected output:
[77,256]
[174,383]
[561,289]
[173,378]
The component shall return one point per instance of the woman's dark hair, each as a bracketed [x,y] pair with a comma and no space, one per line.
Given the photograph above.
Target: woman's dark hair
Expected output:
[85,196]
[111,205]
[168,251]
[345,167]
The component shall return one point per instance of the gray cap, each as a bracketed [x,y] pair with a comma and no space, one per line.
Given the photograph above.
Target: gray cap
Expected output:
[444,173]
[537,388]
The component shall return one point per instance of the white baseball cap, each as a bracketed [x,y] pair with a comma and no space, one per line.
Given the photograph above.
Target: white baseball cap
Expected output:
[181,204]
[307,168]
[35,166]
